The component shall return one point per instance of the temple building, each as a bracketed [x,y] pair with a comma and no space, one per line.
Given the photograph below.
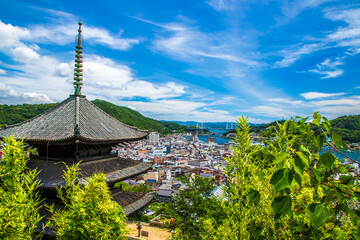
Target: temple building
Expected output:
[75,131]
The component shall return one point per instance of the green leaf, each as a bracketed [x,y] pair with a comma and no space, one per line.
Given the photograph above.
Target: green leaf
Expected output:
[327,159]
[326,124]
[281,179]
[317,118]
[357,194]
[280,157]
[329,196]
[355,236]
[293,125]
[298,179]
[337,139]
[304,157]
[318,174]
[339,194]
[255,230]
[320,141]
[254,197]
[299,165]
[318,214]
[281,206]
[303,120]
[347,180]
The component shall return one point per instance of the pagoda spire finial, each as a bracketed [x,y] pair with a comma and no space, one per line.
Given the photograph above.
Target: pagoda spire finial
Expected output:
[78,63]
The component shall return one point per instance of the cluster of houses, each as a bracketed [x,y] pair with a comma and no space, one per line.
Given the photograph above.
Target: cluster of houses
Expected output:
[174,156]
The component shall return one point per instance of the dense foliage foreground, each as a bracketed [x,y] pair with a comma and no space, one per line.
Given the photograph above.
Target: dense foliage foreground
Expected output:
[89,211]
[285,190]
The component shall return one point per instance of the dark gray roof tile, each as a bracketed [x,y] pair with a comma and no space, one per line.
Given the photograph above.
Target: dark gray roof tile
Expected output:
[58,124]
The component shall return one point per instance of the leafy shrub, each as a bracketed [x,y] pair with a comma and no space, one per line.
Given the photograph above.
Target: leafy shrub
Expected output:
[285,190]
[19,202]
[89,211]
[143,187]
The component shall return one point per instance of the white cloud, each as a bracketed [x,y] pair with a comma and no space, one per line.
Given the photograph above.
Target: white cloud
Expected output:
[104,72]
[64,34]
[24,54]
[315,95]
[329,68]
[36,98]
[118,81]
[328,63]
[9,95]
[61,30]
[328,74]
[351,17]
[2,72]
[222,5]
[47,76]
[7,91]
[285,100]
[102,36]
[338,107]
[189,44]
[291,9]
[63,70]
[338,102]
[345,36]
[11,35]
[337,111]
[270,111]
[181,110]
[294,53]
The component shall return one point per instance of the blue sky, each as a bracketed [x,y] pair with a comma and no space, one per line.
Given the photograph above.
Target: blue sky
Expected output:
[210,60]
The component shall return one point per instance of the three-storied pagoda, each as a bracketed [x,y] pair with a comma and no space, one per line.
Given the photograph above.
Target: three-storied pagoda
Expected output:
[76,130]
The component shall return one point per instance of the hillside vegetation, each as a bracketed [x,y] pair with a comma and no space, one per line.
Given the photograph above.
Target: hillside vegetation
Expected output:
[134,118]
[346,126]
[11,114]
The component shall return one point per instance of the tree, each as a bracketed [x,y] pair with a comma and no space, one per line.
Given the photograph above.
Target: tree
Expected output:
[19,201]
[193,206]
[303,194]
[89,211]
[288,189]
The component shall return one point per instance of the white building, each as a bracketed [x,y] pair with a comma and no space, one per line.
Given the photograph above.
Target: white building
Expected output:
[154,138]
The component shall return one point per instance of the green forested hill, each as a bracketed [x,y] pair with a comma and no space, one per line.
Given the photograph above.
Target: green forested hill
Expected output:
[134,118]
[348,127]
[11,114]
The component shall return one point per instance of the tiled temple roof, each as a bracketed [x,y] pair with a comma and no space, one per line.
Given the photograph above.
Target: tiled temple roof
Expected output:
[76,118]
[132,201]
[115,169]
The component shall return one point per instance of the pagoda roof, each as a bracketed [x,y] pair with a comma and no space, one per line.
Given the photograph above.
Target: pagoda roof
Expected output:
[115,169]
[76,118]
[131,201]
